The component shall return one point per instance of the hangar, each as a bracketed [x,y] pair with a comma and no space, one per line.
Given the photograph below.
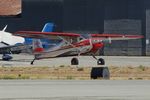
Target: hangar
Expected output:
[89,16]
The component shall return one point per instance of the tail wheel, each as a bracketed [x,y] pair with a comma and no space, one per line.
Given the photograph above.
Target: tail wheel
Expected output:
[100,61]
[33,61]
[74,61]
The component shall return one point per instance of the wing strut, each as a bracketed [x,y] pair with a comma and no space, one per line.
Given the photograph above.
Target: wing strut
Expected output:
[70,44]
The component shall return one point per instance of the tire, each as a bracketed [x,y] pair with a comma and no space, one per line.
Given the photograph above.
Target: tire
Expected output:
[6,57]
[74,61]
[100,72]
[100,61]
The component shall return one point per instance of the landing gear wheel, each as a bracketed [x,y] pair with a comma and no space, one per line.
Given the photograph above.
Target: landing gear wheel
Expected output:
[74,61]
[6,57]
[100,72]
[100,61]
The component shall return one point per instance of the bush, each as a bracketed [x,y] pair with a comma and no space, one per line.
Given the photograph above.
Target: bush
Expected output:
[142,67]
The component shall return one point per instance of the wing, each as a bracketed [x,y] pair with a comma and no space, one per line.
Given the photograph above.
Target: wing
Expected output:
[116,36]
[49,35]
[14,48]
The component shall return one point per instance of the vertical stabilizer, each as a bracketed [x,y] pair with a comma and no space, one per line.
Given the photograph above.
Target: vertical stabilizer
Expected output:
[4,28]
[48,27]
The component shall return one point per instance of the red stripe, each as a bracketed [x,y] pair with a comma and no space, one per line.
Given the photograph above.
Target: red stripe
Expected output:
[38,50]
[33,33]
[116,35]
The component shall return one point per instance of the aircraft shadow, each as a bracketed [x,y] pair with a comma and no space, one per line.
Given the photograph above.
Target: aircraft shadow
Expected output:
[18,60]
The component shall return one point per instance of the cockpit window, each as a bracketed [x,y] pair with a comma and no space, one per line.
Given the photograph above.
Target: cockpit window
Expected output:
[81,38]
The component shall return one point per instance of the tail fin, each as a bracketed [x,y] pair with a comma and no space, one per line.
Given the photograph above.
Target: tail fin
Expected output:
[37,46]
[48,27]
[4,28]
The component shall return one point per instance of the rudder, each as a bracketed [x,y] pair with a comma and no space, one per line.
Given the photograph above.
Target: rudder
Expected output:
[48,27]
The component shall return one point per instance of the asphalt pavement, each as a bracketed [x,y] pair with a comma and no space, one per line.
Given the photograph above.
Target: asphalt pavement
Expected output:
[74,90]
[84,61]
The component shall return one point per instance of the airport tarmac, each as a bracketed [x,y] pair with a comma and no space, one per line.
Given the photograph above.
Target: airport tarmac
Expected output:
[74,90]
[84,61]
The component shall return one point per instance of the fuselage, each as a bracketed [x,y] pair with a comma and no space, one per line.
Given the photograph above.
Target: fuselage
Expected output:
[79,48]
[9,39]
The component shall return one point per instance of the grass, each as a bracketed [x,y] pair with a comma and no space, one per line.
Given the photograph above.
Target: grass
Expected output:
[73,73]
[142,67]
[13,76]
[80,69]
[70,77]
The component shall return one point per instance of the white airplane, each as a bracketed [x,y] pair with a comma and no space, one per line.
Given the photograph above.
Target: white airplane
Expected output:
[8,43]
[7,39]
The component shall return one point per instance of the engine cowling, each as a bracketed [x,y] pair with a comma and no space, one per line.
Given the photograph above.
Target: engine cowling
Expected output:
[97,46]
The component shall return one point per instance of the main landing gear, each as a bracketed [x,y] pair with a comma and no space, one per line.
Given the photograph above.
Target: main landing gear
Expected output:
[100,61]
[74,61]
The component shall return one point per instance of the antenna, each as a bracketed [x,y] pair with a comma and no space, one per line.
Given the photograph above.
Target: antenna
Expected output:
[4,28]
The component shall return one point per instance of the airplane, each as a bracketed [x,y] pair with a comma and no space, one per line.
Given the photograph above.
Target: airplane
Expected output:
[7,41]
[10,44]
[71,44]
[7,38]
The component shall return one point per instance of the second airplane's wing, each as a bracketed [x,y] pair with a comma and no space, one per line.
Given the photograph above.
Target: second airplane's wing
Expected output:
[48,35]
[14,48]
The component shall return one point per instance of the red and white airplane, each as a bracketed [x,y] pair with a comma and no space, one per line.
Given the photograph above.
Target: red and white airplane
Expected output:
[71,44]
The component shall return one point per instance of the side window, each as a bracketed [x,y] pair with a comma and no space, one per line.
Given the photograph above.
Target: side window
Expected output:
[79,39]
